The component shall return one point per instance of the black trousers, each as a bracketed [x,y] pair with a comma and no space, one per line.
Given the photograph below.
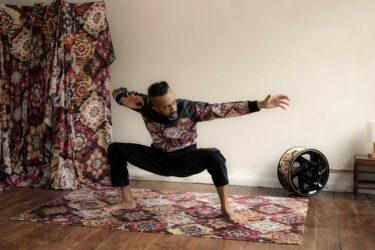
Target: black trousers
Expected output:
[179,163]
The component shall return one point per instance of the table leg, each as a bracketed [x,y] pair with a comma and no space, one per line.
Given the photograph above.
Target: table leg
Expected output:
[355,178]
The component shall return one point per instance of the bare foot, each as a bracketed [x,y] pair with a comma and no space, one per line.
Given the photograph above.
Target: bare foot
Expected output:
[233,217]
[121,205]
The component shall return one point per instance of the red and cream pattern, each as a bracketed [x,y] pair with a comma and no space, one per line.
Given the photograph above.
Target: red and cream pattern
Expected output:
[180,133]
[267,220]
[184,132]
[55,122]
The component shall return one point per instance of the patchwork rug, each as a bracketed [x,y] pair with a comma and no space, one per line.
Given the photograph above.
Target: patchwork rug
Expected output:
[269,219]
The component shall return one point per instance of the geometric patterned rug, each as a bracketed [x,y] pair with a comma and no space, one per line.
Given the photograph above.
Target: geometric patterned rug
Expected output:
[268,219]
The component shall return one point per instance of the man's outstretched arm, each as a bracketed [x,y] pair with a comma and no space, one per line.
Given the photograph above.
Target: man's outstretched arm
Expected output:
[205,111]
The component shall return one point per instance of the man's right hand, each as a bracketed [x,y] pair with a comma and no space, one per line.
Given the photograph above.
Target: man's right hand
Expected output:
[132,101]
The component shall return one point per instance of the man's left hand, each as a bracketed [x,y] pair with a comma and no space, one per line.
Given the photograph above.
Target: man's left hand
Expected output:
[274,101]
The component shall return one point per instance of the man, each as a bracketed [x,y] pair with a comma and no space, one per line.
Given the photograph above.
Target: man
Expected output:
[172,125]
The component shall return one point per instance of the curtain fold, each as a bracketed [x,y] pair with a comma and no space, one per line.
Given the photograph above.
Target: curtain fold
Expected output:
[54,98]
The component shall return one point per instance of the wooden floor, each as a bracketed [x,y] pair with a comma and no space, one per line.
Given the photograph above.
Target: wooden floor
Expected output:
[334,221]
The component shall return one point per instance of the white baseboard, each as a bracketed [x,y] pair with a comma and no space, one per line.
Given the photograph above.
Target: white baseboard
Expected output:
[339,181]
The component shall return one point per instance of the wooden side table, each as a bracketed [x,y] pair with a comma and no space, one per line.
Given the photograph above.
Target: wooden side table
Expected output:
[363,161]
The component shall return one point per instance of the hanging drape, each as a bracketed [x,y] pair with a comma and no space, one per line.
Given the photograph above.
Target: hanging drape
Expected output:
[54,98]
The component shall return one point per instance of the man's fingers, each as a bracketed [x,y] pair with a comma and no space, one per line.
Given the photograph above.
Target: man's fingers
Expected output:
[136,98]
[267,98]
[284,102]
[284,97]
[140,101]
[281,106]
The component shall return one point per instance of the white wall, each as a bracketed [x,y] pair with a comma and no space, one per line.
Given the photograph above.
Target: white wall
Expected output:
[321,53]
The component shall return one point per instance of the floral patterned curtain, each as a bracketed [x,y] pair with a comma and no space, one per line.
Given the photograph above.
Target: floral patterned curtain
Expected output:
[55,120]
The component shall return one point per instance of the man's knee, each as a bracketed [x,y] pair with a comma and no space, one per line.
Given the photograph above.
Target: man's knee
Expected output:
[124,148]
[216,155]
[113,147]
[118,150]
[217,167]
[215,161]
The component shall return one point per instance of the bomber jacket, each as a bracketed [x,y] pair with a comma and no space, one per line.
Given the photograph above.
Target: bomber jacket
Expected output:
[180,133]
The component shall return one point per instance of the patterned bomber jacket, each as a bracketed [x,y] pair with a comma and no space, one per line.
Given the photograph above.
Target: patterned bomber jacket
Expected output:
[180,133]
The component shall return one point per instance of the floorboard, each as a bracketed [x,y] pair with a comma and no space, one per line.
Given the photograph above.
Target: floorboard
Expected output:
[334,221]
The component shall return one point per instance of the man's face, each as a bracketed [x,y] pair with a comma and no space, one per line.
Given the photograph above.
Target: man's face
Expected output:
[166,105]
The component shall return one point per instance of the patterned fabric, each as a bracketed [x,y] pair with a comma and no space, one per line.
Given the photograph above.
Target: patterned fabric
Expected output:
[268,219]
[180,133]
[2,187]
[54,96]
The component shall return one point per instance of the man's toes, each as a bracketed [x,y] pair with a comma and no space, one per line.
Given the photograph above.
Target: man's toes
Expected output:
[243,221]
[239,220]
[233,219]
[108,209]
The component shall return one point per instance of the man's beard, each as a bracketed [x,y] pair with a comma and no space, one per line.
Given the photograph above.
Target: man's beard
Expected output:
[173,116]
